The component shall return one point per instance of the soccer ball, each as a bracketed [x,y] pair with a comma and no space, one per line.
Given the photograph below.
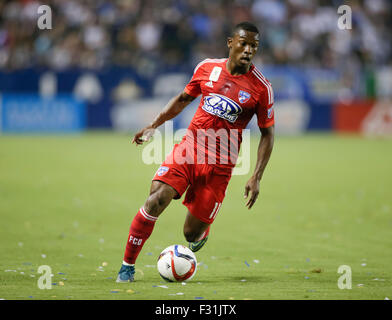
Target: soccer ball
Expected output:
[177,263]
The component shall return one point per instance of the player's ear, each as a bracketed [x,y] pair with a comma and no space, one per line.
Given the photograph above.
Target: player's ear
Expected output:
[229,42]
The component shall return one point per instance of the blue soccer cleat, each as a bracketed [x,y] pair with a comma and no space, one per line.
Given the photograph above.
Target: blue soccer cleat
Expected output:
[126,274]
[197,245]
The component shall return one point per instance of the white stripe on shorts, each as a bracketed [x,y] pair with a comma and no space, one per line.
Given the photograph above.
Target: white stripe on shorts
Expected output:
[215,210]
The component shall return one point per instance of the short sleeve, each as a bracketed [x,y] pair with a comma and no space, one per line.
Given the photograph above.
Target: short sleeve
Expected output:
[193,88]
[265,109]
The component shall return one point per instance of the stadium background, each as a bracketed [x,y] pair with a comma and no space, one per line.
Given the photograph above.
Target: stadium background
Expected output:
[70,181]
[123,60]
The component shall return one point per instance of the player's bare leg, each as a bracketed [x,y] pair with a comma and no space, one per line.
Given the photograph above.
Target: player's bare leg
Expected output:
[142,226]
[195,232]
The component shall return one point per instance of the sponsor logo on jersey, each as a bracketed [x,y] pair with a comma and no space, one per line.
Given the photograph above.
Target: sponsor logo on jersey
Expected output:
[222,107]
[162,170]
[243,96]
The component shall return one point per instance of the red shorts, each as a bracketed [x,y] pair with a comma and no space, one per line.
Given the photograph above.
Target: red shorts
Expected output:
[206,185]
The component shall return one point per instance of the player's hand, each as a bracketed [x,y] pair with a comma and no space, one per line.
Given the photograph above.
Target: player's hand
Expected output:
[143,135]
[252,187]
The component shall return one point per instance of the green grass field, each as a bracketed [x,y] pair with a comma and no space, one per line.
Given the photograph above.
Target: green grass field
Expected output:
[67,202]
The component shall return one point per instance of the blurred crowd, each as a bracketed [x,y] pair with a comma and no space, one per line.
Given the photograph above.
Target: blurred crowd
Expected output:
[153,34]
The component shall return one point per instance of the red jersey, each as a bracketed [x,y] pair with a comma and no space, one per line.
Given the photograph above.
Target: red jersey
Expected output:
[227,105]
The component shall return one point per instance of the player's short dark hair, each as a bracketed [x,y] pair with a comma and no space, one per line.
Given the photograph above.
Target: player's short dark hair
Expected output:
[247,26]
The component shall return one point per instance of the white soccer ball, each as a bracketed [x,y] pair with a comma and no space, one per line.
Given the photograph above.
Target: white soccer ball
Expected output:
[177,263]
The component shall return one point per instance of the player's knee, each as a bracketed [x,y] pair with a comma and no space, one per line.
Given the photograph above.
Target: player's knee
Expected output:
[158,201]
[155,203]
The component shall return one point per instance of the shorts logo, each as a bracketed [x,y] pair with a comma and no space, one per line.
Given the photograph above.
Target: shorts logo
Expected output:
[270,113]
[243,96]
[162,171]
[222,107]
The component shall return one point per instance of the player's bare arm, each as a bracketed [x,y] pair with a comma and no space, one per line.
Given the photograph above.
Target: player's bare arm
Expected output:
[264,150]
[170,111]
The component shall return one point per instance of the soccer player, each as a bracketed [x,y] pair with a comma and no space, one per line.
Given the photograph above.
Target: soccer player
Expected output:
[232,90]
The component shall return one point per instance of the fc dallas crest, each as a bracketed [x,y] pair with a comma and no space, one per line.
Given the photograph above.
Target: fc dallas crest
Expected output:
[243,96]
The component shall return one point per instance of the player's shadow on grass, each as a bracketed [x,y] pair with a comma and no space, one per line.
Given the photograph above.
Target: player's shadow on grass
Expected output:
[236,279]
[252,279]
